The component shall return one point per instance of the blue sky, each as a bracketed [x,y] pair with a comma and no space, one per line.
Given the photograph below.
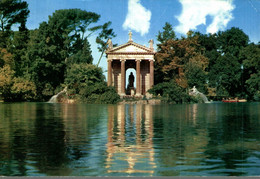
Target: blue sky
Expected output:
[146,17]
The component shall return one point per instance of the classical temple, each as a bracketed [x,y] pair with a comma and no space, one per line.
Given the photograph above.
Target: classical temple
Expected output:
[135,56]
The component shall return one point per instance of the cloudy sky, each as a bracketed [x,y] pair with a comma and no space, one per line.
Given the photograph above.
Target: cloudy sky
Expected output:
[146,17]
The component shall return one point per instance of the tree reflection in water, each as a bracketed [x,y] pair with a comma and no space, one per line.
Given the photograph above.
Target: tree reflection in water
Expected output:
[42,139]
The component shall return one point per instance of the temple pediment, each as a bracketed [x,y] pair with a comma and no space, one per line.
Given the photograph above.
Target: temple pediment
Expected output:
[130,47]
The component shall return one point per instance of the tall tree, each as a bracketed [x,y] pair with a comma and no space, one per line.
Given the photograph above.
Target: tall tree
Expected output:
[167,33]
[209,43]
[175,58]
[227,79]
[12,12]
[225,76]
[232,41]
[162,37]
[102,38]
[58,44]
[250,56]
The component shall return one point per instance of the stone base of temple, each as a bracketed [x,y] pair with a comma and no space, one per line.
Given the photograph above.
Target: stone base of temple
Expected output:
[138,95]
[122,95]
[132,97]
[140,101]
[130,91]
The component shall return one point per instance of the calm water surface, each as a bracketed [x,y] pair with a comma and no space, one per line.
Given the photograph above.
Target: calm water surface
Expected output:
[43,139]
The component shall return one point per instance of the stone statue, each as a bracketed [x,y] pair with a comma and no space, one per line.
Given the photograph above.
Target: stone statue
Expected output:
[131,80]
[110,44]
[130,36]
[151,43]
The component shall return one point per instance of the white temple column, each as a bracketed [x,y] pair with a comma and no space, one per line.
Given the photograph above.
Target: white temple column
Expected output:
[122,77]
[151,73]
[138,78]
[109,74]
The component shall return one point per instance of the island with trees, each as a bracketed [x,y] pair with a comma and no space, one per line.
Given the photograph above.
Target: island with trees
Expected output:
[37,64]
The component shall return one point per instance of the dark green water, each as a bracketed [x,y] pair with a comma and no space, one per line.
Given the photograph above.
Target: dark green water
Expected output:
[43,139]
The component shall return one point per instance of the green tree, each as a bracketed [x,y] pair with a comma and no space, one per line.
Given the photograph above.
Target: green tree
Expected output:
[170,92]
[6,58]
[209,43]
[167,34]
[102,38]
[80,76]
[86,83]
[6,76]
[23,89]
[12,12]
[15,88]
[19,42]
[225,76]
[227,79]
[250,56]
[231,41]
[162,37]
[83,55]
[44,61]
[60,41]
[196,76]
[172,58]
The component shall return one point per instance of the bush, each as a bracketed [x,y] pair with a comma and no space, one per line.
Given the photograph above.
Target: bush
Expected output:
[101,93]
[171,92]
[23,90]
[109,96]
[87,83]
[98,93]
[80,76]
[15,88]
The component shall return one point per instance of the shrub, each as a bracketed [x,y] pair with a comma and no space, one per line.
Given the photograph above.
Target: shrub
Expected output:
[23,90]
[171,92]
[15,88]
[109,96]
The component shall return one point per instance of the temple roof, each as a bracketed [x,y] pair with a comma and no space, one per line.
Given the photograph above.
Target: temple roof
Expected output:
[130,47]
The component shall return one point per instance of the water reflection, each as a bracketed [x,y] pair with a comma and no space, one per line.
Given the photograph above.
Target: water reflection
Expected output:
[130,140]
[41,139]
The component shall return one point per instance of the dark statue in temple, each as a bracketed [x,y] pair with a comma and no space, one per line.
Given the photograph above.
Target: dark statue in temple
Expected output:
[131,80]
[130,87]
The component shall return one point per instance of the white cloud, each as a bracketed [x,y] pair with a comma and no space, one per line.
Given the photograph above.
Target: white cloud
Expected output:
[194,13]
[138,18]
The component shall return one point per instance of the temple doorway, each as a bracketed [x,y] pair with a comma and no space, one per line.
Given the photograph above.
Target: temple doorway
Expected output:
[130,81]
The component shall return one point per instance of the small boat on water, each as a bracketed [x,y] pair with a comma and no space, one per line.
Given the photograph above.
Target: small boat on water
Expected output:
[234,100]
[229,100]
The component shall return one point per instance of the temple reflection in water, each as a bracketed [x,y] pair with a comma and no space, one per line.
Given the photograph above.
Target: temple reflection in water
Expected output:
[130,133]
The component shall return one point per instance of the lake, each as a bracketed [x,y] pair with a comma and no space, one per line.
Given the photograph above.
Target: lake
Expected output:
[47,139]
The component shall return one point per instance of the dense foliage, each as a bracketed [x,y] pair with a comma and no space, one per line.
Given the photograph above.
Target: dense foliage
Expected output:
[87,83]
[171,92]
[220,65]
[250,57]
[36,64]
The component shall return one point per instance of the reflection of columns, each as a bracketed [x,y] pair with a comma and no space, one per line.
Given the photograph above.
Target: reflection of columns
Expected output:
[110,146]
[149,131]
[109,75]
[151,73]
[138,78]
[139,154]
[138,124]
[122,77]
[121,123]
